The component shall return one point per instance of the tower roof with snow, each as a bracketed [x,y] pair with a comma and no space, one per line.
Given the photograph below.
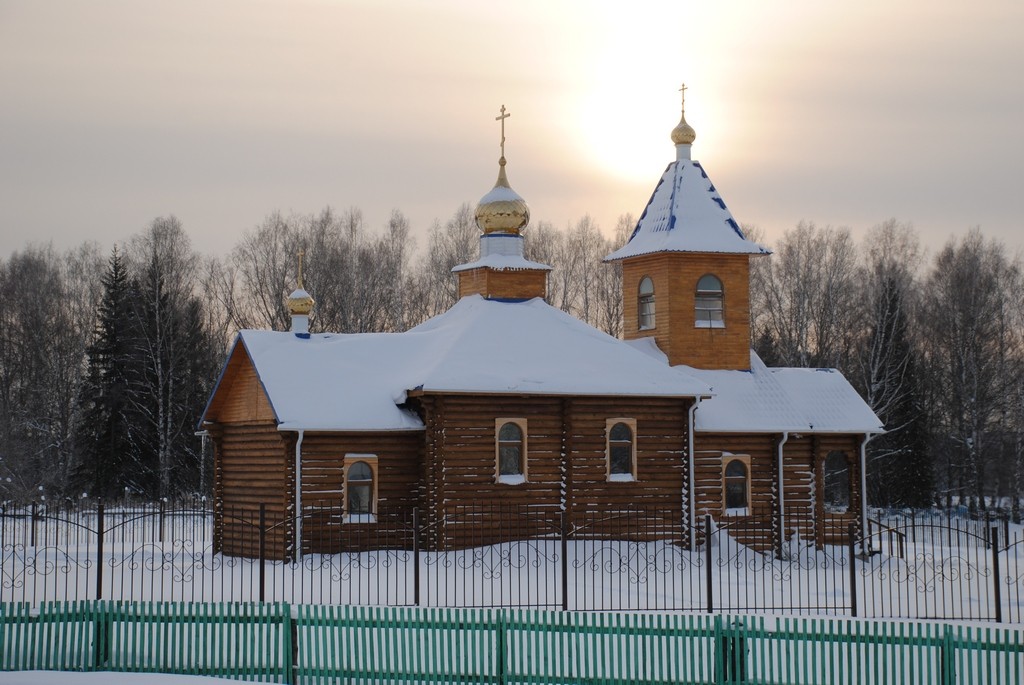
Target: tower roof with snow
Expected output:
[685,212]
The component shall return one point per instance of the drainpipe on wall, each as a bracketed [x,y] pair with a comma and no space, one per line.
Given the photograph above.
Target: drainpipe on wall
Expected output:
[298,496]
[868,437]
[693,451]
[782,492]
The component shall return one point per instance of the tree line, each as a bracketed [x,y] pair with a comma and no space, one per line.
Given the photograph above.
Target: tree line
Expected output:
[107,358]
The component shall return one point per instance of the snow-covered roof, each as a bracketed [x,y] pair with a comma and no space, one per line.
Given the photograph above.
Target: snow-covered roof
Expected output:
[686,214]
[781,399]
[328,382]
[500,262]
[359,381]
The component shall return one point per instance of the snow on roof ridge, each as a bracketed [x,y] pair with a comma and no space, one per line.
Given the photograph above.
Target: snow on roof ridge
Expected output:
[502,263]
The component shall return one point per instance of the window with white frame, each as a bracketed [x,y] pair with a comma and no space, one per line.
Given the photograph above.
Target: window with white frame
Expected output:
[645,303]
[708,302]
[620,436]
[510,451]
[736,484]
[360,488]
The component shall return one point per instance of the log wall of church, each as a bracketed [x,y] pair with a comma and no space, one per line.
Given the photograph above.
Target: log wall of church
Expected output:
[240,396]
[708,469]
[250,468]
[397,460]
[803,478]
[567,460]
[833,527]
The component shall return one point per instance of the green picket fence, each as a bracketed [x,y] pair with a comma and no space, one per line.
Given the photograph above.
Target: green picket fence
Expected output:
[243,641]
[358,644]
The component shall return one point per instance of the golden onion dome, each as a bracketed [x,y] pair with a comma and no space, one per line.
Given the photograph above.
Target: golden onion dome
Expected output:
[502,210]
[300,303]
[683,133]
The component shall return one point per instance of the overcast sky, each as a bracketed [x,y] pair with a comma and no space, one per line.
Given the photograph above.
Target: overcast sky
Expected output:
[114,112]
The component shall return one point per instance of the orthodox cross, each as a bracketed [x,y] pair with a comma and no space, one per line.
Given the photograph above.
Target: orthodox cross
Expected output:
[301,254]
[502,117]
[683,92]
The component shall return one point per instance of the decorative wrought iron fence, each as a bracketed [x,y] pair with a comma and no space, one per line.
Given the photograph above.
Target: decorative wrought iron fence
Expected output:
[497,555]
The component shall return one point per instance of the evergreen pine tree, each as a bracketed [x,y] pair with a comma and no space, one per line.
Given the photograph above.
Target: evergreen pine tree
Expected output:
[104,435]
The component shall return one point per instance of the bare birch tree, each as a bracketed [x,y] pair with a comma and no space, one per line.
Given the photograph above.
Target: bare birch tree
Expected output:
[973,348]
[803,296]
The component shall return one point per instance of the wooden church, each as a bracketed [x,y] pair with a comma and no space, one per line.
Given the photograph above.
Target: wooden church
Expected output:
[504,399]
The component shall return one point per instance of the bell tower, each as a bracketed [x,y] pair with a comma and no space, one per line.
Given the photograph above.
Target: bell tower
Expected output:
[501,272]
[686,268]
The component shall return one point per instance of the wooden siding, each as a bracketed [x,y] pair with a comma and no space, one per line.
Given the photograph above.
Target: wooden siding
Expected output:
[399,462]
[251,468]
[519,284]
[803,462]
[675,277]
[833,527]
[566,454]
[708,476]
[239,396]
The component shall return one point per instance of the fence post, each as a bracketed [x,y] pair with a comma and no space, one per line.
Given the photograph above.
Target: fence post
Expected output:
[720,657]
[565,561]
[499,651]
[32,528]
[853,570]
[996,595]
[416,556]
[263,549]
[733,646]
[99,550]
[160,522]
[103,627]
[293,631]
[947,657]
[707,564]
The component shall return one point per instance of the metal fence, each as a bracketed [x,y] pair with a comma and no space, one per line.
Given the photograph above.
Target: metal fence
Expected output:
[640,558]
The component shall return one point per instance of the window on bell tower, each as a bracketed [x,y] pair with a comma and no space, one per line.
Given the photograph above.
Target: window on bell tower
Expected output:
[645,304]
[708,303]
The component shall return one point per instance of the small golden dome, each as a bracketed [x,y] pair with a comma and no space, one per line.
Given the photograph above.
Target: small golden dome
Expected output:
[683,133]
[502,210]
[300,303]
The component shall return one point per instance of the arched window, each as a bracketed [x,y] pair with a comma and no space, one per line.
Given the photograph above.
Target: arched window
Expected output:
[836,482]
[359,489]
[621,449]
[511,448]
[737,485]
[645,303]
[708,302]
